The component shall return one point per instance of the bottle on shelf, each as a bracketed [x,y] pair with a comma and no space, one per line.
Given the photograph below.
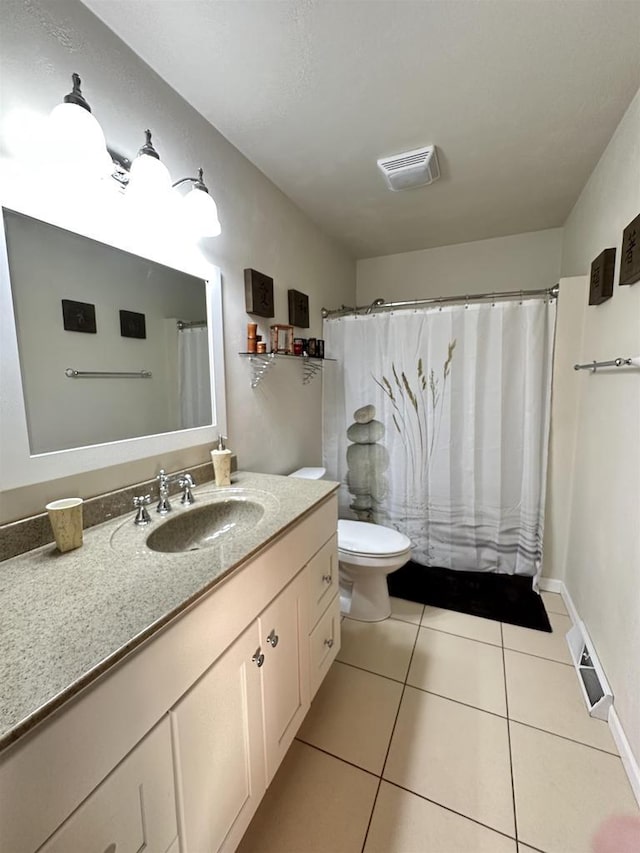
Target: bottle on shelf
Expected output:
[252,338]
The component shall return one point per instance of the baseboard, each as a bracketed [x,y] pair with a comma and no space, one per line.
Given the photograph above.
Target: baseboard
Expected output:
[555,585]
[551,585]
[628,758]
[629,761]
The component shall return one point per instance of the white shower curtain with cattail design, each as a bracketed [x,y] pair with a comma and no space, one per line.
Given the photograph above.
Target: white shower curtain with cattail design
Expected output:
[436,423]
[194,377]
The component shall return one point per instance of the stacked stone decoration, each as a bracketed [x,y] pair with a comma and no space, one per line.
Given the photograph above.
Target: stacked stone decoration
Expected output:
[367,460]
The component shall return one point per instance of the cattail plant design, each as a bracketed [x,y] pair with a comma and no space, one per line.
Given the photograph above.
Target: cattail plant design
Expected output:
[417,411]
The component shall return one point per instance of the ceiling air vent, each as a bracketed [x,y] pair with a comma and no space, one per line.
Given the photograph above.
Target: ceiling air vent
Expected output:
[412,169]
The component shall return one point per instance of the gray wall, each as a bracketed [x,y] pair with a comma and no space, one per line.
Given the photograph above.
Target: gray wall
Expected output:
[518,262]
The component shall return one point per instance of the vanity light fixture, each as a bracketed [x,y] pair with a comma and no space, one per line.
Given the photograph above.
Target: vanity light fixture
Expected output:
[77,145]
[76,141]
[199,208]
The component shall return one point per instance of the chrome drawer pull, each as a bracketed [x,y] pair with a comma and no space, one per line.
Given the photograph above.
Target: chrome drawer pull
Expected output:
[258,657]
[273,638]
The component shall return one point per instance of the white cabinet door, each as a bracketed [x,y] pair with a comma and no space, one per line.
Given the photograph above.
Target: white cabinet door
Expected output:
[217,738]
[132,810]
[285,674]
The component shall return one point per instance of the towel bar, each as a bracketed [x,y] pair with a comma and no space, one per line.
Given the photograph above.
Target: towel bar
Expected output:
[72,373]
[594,365]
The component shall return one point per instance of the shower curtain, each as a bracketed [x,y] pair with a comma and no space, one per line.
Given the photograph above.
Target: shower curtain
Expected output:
[194,377]
[436,423]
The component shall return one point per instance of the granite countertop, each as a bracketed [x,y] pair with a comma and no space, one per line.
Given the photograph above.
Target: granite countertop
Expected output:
[67,618]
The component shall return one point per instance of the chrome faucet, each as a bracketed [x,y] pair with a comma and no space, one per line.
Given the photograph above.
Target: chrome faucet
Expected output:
[186,483]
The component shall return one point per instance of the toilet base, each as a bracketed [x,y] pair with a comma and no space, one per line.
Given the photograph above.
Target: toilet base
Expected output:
[367,600]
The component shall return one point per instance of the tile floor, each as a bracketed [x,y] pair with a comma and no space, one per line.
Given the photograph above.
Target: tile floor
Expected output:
[440,732]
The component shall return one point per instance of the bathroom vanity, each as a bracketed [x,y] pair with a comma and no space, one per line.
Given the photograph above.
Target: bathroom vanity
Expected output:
[176,687]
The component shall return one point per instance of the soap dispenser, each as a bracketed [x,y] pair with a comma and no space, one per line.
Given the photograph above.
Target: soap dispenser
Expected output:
[221,459]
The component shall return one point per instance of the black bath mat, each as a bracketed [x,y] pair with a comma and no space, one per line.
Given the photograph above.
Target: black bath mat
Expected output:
[504,598]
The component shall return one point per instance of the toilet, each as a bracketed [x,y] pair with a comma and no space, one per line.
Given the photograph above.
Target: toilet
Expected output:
[367,553]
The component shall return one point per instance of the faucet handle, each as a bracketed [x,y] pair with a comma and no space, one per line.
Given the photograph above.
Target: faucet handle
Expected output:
[186,483]
[163,493]
[142,516]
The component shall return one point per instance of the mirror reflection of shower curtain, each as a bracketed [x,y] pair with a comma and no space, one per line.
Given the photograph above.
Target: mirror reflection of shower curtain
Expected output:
[194,377]
[436,423]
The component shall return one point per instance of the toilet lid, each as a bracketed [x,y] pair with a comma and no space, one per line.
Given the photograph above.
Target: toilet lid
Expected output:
[309,473]
[363,538]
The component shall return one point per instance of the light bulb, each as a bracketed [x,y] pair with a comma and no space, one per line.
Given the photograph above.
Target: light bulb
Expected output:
[201,213]
[148,177]
[75,141]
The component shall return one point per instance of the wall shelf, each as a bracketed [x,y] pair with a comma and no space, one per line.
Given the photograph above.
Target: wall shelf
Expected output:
[262,363]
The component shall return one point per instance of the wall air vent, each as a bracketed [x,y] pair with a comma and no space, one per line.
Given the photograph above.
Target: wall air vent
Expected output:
[595,688]
[415,168]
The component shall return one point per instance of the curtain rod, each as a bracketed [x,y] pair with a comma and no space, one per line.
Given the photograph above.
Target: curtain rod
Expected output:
[381,305]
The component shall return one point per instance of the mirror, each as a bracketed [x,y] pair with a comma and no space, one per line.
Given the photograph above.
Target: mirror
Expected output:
[53,412]
[111,346]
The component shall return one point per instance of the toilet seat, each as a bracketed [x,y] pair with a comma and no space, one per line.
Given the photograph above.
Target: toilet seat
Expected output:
[362,539]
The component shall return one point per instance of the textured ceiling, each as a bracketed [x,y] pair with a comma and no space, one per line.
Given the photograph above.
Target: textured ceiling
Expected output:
[520,96]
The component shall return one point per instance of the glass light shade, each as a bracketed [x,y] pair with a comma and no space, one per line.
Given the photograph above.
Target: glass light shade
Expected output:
[76,142]
[201,213]
[149,178]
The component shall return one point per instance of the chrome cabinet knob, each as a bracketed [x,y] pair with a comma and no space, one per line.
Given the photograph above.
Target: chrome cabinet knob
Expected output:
[329,643]
[258,657]
[273,638]
[327,578]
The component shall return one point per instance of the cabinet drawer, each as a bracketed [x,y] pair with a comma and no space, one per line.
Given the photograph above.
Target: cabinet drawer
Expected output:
[133,809]
[324,644]
[322,571]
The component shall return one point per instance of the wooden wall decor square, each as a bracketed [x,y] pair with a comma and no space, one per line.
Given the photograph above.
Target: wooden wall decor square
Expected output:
[601,282]
[298,309]
[79,316]
[258,293]
[133,324]
[630,260]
